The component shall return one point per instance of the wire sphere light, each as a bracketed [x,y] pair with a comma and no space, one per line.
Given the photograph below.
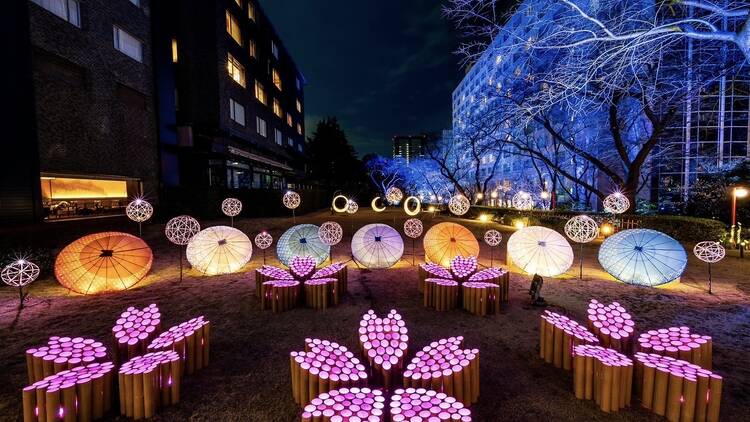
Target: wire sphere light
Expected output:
[416,209]
[581,229]
[231,207]
[374,205]
[643,257]
[219,250]
[709,251]
[181,229]
[492,237]
[413,228]
[336,207]
[377,246]
[523,201]
[459,204]
[291,200]
[139,210]
[330,233]
[539,250]
[302,240]
[263,240]
[616,203]
[394,195]
[352,207]
[19,273]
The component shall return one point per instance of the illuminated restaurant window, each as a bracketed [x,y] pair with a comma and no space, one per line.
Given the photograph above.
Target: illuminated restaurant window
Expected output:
[70,197]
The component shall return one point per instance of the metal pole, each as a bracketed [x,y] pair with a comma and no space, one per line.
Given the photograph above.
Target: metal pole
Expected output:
[294,218]
[231,219]
[710,281]
[413,251]
[180,247]
[20,296]
[491,257]
[580,276]
[140,232]
[734,207]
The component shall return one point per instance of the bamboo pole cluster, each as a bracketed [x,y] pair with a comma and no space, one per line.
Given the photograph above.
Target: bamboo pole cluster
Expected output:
[612,324]
[419,404]
[134,330]
[677,389]
[462,268]
[279,295]
[62,353]
[302,268]
[498,276]
[346,404]
[269,273]
[319,292]
[481,298]
[190,340]
[385,343]
[338,271]
[322,367]
[440,294]
[558,336]
[148,383]
[83,394]
[445,367]
[603,375]
[430,270]
[677,342]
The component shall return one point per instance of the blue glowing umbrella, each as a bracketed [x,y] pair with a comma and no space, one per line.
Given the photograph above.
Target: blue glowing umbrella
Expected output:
[643,257]
[302,240]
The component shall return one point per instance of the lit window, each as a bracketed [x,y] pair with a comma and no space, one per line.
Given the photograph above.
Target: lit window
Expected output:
[260,126]
[239,3]
[290,142]
[299,147]
[233,28]
[260,93]
[278,136]
[299,84]
[299,128]
[236,70]
[250,11]
[274,49]
[127,44]
[299,106]
[136,2]
[253,49]
[65,9]
[237,112]
[277,108]
[276,78]
[174,50]
[289,120]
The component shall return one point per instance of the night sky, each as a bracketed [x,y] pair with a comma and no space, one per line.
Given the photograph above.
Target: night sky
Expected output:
[383,67]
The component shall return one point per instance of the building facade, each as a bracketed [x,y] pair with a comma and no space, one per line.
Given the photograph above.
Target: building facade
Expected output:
[230,97]
[85,125]
[410,147]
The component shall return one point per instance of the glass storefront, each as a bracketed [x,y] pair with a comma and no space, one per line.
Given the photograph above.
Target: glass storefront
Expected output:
[77,197]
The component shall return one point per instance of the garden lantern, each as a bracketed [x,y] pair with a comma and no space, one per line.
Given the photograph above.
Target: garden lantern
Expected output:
[738,192]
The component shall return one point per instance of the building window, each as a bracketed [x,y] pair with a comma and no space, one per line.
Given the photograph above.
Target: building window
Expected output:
[253,49]
[251,11]
[299,106]
[299,147]
[278,136]
[260,126]
[299,84]
[274,49]
[71,197]
[277,108]
[65,9]
[299,128]
[236,70]
[260,93]
[127,44]
[136,2]
[233,28]
[239,3]
[237,112]
[276,78]
[174,50]
[289,120]
[290,142]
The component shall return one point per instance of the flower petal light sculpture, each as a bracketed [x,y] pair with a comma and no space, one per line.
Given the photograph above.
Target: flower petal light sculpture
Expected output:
[539,250]
[302,240]
[377,246]
[444,241]
[103,262]
[219,250]
[643,257]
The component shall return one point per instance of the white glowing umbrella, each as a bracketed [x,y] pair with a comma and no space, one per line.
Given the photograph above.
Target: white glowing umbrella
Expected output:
[643,257]
[219,250]
[539,250]
[302,240]
[377,246]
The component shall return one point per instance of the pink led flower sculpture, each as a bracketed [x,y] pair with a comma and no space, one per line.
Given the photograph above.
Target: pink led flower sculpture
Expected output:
[281,289]
[190,340]
[62,353]
[612,324]
[134,330]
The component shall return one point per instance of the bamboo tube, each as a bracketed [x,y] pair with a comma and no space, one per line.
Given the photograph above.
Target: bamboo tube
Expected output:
[612,324]
[677,342]
[61,354]
[343,403]
[674,397]
[560,335]
[714,398]
[53,402]
[384,340]
[428,405]
[85,405]
[151,382]
[183,339]
[134,330]
[690,388]
[599,374]
[29,404]
[268,273]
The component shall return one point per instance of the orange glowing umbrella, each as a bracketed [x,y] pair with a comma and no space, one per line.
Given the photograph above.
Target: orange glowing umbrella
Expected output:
[445,241]
[103,262]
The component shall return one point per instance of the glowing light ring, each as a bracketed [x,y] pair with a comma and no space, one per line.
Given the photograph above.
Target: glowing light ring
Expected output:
[523,201]
[291,200]
[342,209]
[181,229]
[416,209]
[263,240]
[616,203]
[394,195]
[643,257]
[302,240]
[353,207]
[709,252]
[459,204]
[219,250]
[330,233]
[139,210]
[413,228]
[20,273]
[539,250]
[231,207]
[374,205]
[581,229]
[377,246]
[492,237]
[444,241]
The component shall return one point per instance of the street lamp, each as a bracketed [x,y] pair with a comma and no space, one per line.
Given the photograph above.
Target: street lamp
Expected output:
[737,192]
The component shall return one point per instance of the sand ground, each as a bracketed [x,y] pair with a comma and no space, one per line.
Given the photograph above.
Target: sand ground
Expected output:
[248,378]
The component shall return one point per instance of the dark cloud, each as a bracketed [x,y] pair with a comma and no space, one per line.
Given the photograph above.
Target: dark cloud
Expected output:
[383,67]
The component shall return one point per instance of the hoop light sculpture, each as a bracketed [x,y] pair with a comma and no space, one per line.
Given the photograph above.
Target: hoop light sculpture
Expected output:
[231,207]
[338,198]
[103,262]
[616,203]
[492,238]
[459,204]
[444,241]
[643,257]
[330,233]
[539,250]
[523,201]
[20,273]
[179,230]
[374,205]
[709,252]
[416,209]
[302,240]
[377,246]
[139,210]
[219,250]
[394,195]
[581,229]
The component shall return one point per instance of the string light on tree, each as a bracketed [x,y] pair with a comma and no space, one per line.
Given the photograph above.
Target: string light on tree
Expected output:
[20,273]
[523,201]
[180,230]
[616,203]
[709,252]
[459,204]
[231,207]
[581,229]
[394,195]
[263,241]
[139,210]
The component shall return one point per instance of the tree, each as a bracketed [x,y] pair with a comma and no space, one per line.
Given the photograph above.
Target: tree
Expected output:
[384,172]
[332,159]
